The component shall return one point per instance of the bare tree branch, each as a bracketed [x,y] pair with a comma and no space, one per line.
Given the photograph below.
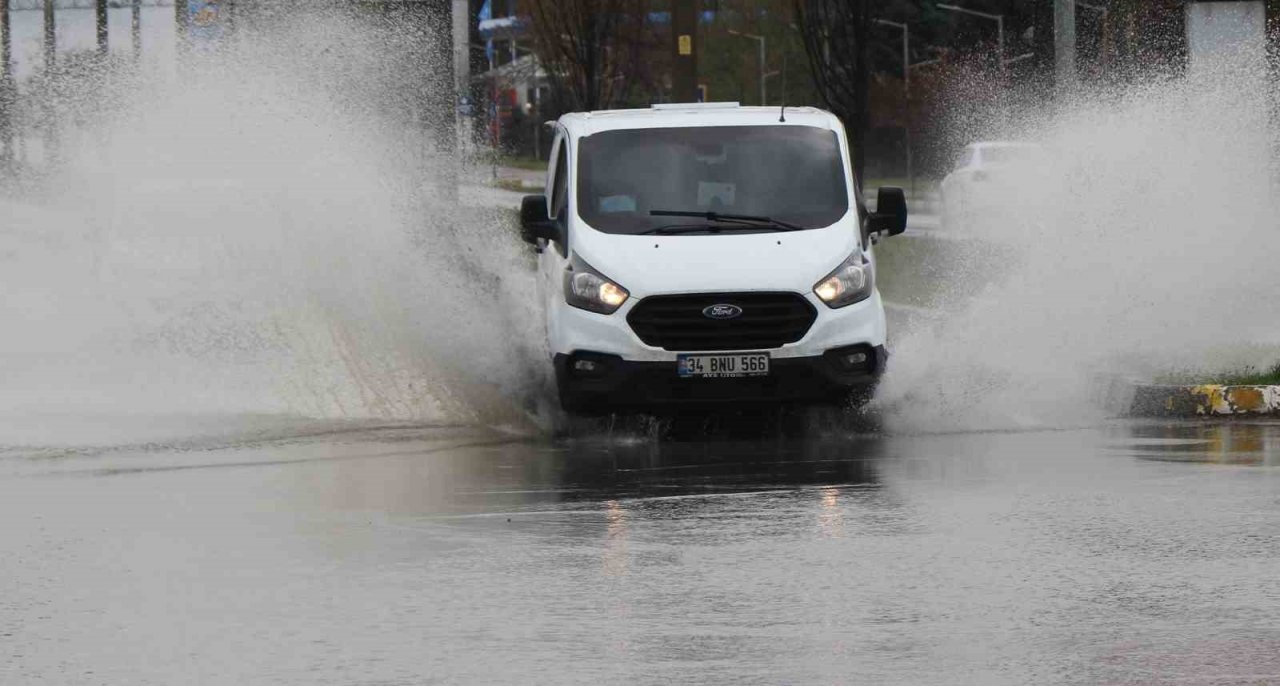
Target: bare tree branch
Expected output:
[589,48]
[836,39]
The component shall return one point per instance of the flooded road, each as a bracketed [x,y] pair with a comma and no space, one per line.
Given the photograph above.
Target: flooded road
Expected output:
[341,554]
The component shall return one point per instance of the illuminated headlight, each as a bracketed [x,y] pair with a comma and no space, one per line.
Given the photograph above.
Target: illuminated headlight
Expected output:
[851,282]
[588,289]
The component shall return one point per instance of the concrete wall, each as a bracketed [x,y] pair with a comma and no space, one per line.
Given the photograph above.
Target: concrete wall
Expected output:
[1226,35]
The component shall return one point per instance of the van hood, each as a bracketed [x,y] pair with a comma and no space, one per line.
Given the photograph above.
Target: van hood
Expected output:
[775,261]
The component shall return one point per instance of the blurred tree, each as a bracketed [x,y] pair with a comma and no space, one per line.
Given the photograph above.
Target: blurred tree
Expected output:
[1150,37]
[728,63]
[837,41]
[589,48]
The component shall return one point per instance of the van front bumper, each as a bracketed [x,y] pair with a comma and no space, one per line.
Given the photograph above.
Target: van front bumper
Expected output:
[591,382]
[571,329]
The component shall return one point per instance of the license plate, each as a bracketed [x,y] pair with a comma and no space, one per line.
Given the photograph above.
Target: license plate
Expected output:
[723,366]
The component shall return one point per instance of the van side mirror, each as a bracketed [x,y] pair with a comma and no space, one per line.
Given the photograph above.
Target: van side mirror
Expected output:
[534,222]
[891,212]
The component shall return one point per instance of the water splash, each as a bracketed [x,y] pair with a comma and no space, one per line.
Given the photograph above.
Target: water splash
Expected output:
[1149,243]
[270,233]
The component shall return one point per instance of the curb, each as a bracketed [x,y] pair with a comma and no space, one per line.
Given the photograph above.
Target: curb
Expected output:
[1208,400]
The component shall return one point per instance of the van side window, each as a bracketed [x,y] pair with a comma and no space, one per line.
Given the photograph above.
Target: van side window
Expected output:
[560,187]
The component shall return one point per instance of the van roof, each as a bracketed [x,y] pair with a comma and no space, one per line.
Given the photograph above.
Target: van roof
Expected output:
[695,114]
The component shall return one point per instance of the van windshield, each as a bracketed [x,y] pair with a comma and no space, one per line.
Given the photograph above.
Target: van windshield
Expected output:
[794,174]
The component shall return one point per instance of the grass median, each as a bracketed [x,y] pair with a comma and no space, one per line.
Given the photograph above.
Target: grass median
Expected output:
[1243,376]
[922,271]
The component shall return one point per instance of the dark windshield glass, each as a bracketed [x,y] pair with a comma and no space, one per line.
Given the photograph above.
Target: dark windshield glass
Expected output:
[794,174]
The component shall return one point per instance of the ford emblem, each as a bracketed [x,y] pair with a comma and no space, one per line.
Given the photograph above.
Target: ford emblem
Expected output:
[722,311]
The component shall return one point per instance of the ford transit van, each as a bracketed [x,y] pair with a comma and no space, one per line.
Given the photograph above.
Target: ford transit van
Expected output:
[710,254]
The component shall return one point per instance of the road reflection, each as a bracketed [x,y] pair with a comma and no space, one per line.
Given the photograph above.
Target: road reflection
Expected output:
[542,474]
[830,513]
[614,562]
[630,469]
[1227,443]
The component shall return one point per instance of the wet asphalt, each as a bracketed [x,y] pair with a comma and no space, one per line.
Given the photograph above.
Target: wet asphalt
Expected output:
[1140,553]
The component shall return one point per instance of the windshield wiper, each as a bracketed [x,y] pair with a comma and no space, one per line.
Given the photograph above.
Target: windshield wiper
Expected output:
[729,218]
[673,229]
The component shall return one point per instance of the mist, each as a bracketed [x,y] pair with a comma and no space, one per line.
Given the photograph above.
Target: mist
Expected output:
[1143,243]
[273,232]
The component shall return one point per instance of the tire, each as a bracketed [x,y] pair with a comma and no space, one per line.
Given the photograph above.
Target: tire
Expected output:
[859,397]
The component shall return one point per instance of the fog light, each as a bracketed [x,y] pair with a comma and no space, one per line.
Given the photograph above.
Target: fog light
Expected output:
[589,365]
[852,359]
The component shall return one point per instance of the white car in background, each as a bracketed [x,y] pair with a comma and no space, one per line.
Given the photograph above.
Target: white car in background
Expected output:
[987,176]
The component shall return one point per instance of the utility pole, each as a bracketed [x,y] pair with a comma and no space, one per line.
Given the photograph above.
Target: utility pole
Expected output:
[181,19]
[135,27]
[684,29]
[460,23]
[6,43]
[7,100]
[100,13]
[1064,44]
[50,67]
[50,38]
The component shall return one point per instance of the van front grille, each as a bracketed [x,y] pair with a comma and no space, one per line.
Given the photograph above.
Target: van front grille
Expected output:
[677,322]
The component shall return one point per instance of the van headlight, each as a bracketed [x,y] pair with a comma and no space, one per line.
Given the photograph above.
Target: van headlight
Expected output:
[850,283]
[588,289]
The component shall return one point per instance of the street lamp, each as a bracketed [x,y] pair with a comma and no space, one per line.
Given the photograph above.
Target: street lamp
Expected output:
[906,90]
[906,49]
[760,39]
[997,18]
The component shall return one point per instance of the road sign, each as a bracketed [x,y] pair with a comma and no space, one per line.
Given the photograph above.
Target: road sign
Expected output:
[206,20]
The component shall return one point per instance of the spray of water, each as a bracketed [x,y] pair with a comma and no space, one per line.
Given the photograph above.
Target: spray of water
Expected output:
[261,235]
[1146,242]
[268,233]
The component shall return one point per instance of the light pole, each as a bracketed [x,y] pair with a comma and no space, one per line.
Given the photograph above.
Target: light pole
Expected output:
[182,28]
[50,37]
[6,100]
[1064,45]
[997,18]
[6,43]
[760,39]
[135,27]
[100,20]
[906,91]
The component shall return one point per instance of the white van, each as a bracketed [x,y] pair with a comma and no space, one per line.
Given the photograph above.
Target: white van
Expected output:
[708,255]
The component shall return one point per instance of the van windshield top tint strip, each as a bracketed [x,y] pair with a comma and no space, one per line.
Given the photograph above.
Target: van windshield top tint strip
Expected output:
[794,174]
